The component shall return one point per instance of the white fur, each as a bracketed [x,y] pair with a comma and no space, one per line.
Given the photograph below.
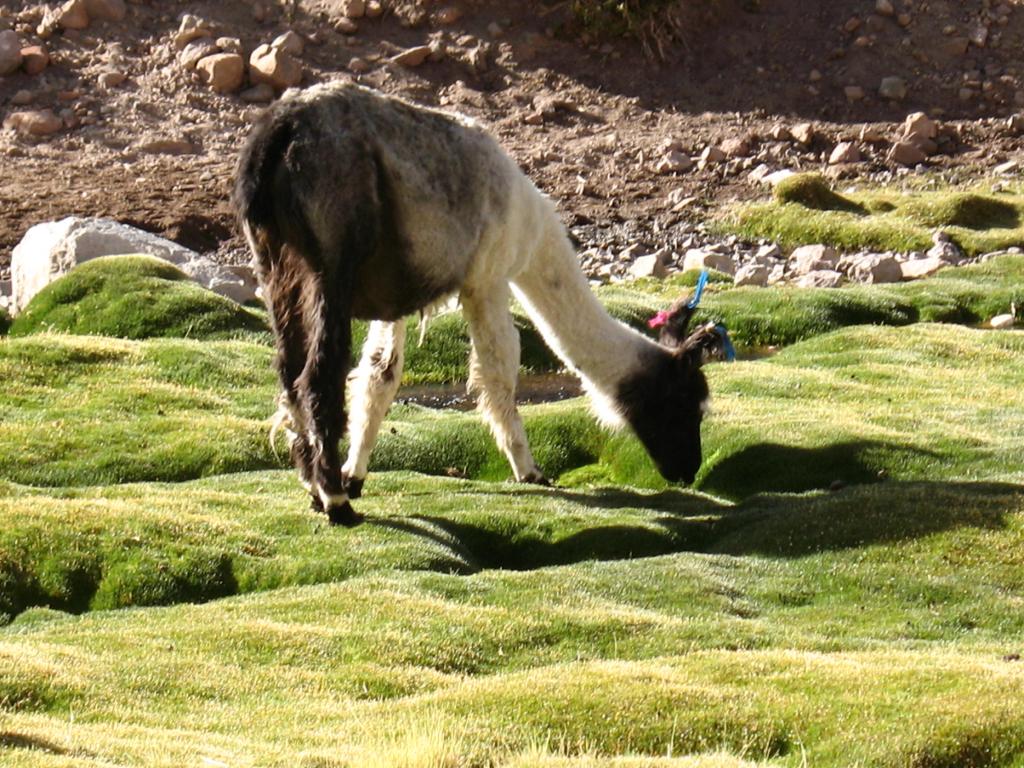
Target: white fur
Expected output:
[524,249]
[374,384]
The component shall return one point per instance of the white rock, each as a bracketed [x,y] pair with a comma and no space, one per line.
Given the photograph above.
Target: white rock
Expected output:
[412,57]
[845,152]
[875,268]
[290,42]
[674,161]
[52,249]
[774,179]
[696,258]
[919,126]
[945,249]
[353,9]
[224,72]
[191,28]
[1002,322]
[274,67]
[821,278]
[768,252]
[648,266]
[752,274]
[918,268]
[811,258]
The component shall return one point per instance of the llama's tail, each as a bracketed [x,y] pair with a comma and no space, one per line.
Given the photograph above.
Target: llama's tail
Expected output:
[269,210]
[258,162]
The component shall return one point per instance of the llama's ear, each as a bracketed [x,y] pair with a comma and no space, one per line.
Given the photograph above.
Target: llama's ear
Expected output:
[674,323]
[709,342]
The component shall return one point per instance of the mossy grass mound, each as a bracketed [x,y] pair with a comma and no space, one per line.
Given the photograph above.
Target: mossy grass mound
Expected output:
[135,297]
[782,315]
[812,190]
[806,210]
[835,408]
[793,625]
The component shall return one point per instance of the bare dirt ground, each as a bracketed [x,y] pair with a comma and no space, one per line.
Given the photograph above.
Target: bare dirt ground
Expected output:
[589,119]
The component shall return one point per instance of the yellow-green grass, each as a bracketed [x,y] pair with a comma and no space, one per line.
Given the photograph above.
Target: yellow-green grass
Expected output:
[805,210]
[487,624]
[469,623]
[879,654]
[853,406]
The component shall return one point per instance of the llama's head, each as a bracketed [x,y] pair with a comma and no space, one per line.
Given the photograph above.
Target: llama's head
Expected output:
[665,402]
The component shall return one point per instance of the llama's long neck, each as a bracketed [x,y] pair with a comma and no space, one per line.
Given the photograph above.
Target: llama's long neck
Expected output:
[557,296]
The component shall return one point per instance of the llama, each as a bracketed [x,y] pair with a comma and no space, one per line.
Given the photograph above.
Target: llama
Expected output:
[360,205]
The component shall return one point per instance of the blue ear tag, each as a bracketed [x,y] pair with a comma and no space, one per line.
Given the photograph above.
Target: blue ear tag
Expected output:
[701,282]
[727,347]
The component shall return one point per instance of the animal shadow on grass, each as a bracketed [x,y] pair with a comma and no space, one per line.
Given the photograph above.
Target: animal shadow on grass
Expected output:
[770,521]
[12,740]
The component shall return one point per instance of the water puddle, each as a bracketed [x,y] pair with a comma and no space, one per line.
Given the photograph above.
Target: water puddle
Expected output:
[539,388]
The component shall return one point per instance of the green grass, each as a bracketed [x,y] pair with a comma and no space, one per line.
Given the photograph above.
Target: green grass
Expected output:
[898,605]
[834,408]
[805,210]
[170,600]
[134,297]
[756,317]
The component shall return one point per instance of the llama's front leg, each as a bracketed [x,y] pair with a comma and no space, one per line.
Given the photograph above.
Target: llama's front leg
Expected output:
[493,370]
[373,388]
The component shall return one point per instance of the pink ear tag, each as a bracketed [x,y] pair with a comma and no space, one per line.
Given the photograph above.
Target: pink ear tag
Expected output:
[659,319]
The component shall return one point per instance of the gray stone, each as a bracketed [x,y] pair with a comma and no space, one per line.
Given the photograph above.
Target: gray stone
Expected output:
[770,251]
[812,258]
[906,153]
[697,258]
[894,88]
[945,249]
[752,274]
[918,268]
[52,249]
[648,266]
[845,152]
[820,278]
[875,268]
[10,52]
[674,161]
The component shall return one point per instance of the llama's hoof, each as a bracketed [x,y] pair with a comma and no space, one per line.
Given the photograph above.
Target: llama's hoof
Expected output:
[315,504]
[344,515]
[536,478]
[353,486]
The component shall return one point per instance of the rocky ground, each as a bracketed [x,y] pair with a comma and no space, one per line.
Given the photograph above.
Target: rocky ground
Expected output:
[136,111]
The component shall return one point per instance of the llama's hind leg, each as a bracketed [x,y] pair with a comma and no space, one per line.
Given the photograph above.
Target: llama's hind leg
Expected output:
[291,343]
[373,387]
[493,370]
[321,395]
